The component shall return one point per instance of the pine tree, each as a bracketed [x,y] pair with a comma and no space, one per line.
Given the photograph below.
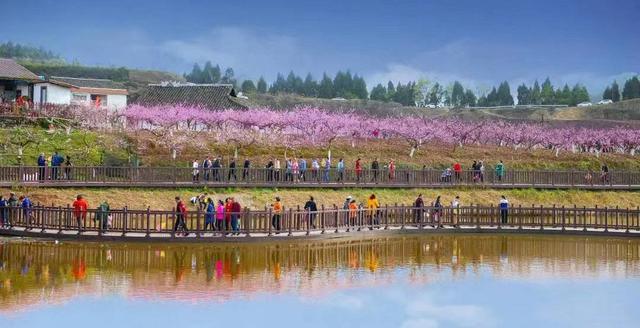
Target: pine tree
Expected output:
[248,87]
[631,89]
[524,95]
[457,94]
[310,86]
[391,90]
[579,94]
[228,77]
[359,87]
[469,99]
[262,85]
[535,94]
[504,94]
[379,92]
[325,90]
[547,94]
[196,74]
[615,92]
[607,93]
[435,95]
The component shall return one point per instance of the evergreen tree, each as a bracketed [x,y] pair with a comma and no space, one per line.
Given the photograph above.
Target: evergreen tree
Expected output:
[248,87]
[391,90]
[631,89]
[607,93]
[535,94]
[228,77]
[504,94]
[524,95]
[492,98]
[210,74]
[579,94]
[482,101]
[435,94]
[262,85]
[379,92]
[325,90]
[280,85]
[359,87]
[469,99]
[196,74]
[310,86]
[615,92]
[457,94]
[564,96]
[547,95]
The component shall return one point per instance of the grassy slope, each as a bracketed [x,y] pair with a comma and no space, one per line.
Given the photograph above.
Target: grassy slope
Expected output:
[258,198]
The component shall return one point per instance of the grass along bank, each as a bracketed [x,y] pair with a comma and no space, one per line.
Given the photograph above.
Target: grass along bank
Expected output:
[258,198]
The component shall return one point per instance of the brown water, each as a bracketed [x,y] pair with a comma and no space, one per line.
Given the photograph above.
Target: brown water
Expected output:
[322,279]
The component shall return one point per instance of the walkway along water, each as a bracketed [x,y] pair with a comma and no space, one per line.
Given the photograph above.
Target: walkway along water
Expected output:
[171,177]
[327,222]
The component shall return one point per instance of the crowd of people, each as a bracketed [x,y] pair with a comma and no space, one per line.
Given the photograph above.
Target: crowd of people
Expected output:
[54,167]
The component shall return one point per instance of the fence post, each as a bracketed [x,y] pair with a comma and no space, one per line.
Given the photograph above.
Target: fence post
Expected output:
[493,215]
[520,216]
[542,217]
[584,217]
[475,216]
[124,221]
[627,219]
[617,215]
[289,220]
[198,227]
[270,222]
[60,218]
[247,220]
[575,216]
[173,217]
[148,234]
[42,214]
[403,218]
[336,216]
[606,219]
[554,216]
[386,216]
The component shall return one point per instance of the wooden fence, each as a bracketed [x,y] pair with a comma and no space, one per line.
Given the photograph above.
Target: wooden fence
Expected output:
[261,177]
[328,219]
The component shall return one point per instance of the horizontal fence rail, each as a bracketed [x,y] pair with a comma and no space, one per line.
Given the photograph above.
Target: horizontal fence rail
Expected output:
[53,221]
[261,177]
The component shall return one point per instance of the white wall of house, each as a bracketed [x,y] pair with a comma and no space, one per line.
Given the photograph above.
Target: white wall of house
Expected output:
[24,89]
[55,94]
[116,101]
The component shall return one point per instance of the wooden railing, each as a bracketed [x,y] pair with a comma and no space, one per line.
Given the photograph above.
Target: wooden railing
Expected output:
[328,219]
[261,177]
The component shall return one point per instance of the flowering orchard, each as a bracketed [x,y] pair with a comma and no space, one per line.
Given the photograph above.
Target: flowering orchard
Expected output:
[313,127]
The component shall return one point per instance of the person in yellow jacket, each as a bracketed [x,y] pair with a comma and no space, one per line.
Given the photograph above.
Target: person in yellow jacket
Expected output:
[372,209]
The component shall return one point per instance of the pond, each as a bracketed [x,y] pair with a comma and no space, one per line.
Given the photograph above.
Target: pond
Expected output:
[429,281]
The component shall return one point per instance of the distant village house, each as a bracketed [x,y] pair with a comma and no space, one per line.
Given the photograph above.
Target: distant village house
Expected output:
[211,96]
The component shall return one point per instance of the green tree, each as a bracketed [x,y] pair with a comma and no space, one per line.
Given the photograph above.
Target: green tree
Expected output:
[564,96]
[391,90]
[469,99]
[547,95]
[280,85]
[228,77]
[504,96]
[325,90]
[210,74]
[631,89]
[457,94]
[262,85]
[615,92]
[606,94]
[579,94]
[535,94]
[248,87]
[379,93]
[310,86]
[524,95]
[359,87]
[435,94]
[196,74]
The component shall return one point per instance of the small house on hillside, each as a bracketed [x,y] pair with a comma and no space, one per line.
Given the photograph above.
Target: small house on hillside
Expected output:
[212,96]
[100,93]
[15,81]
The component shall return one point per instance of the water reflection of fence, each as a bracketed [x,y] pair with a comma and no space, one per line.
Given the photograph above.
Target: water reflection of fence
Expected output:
[173,176]
[328,219]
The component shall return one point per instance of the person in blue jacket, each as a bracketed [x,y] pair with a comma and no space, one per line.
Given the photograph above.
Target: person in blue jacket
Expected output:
[504,209]
[4,212]
[26,205]
[56,162]
[42,165]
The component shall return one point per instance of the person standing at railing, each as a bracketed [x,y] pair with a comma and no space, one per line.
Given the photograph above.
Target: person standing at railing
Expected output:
[276,168]
[475,172]
[437,211]
[196,171]
[375,168]
[42,167]
[500,171]
[327,169]
[302,164]
[372,209]
[103,214]
[209,217]
[56,162]
[232,171]
[13,204]
[220,215]
[288,176]
[4,212]
[80,207]
[311,208]
[455,208]
[206,166]
[340,168]
[392,170]
[277,215]
[228,209]
[457,171]
[418,205]
[481,170]
[245,169]
[353,212]
[181,213]
[315,167]
[504,209]
[236,210]
[67,168]
[358,170]
[604,173]
[295,170]
[269,168]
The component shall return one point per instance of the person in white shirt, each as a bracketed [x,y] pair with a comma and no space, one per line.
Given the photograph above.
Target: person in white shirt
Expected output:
[455,206]
[276,167]
[504,209]
[196,171]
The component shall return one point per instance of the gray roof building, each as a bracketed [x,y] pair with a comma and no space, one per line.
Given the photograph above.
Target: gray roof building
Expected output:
[212,96]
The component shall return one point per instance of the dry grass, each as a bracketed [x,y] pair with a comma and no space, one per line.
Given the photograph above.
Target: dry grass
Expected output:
[258,198]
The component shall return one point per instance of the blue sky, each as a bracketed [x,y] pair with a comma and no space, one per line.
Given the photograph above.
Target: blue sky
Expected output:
[477,42]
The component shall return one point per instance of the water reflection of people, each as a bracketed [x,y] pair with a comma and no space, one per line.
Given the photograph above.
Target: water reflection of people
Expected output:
[78,268]
[179,268]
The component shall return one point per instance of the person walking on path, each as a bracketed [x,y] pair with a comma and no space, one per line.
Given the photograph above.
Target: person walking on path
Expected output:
[196,172]
[358,170]
[232,171]
[181,213]
[372,209]
[42,167]
[236,210]
[80,207]
[455,208]
[340,167]
[437,211]
[269,168]
[277,167]
[245,169]
[56,162]
[4,212]
[418,205]
[353,212]
[67,168]
[457,171]
[311,208]
[604,173]
[500,171]
[375,167]
[209,217]
[481,169]
[220,215]
[504,209]
[277,215]
[215,169]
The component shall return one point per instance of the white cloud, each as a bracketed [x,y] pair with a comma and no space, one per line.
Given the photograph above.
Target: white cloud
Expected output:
[426,310]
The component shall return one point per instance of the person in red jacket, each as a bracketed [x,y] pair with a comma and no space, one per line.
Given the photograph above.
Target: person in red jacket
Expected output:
[80,206]
[358,169]
[181,213]
[236,209]
[457,170]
